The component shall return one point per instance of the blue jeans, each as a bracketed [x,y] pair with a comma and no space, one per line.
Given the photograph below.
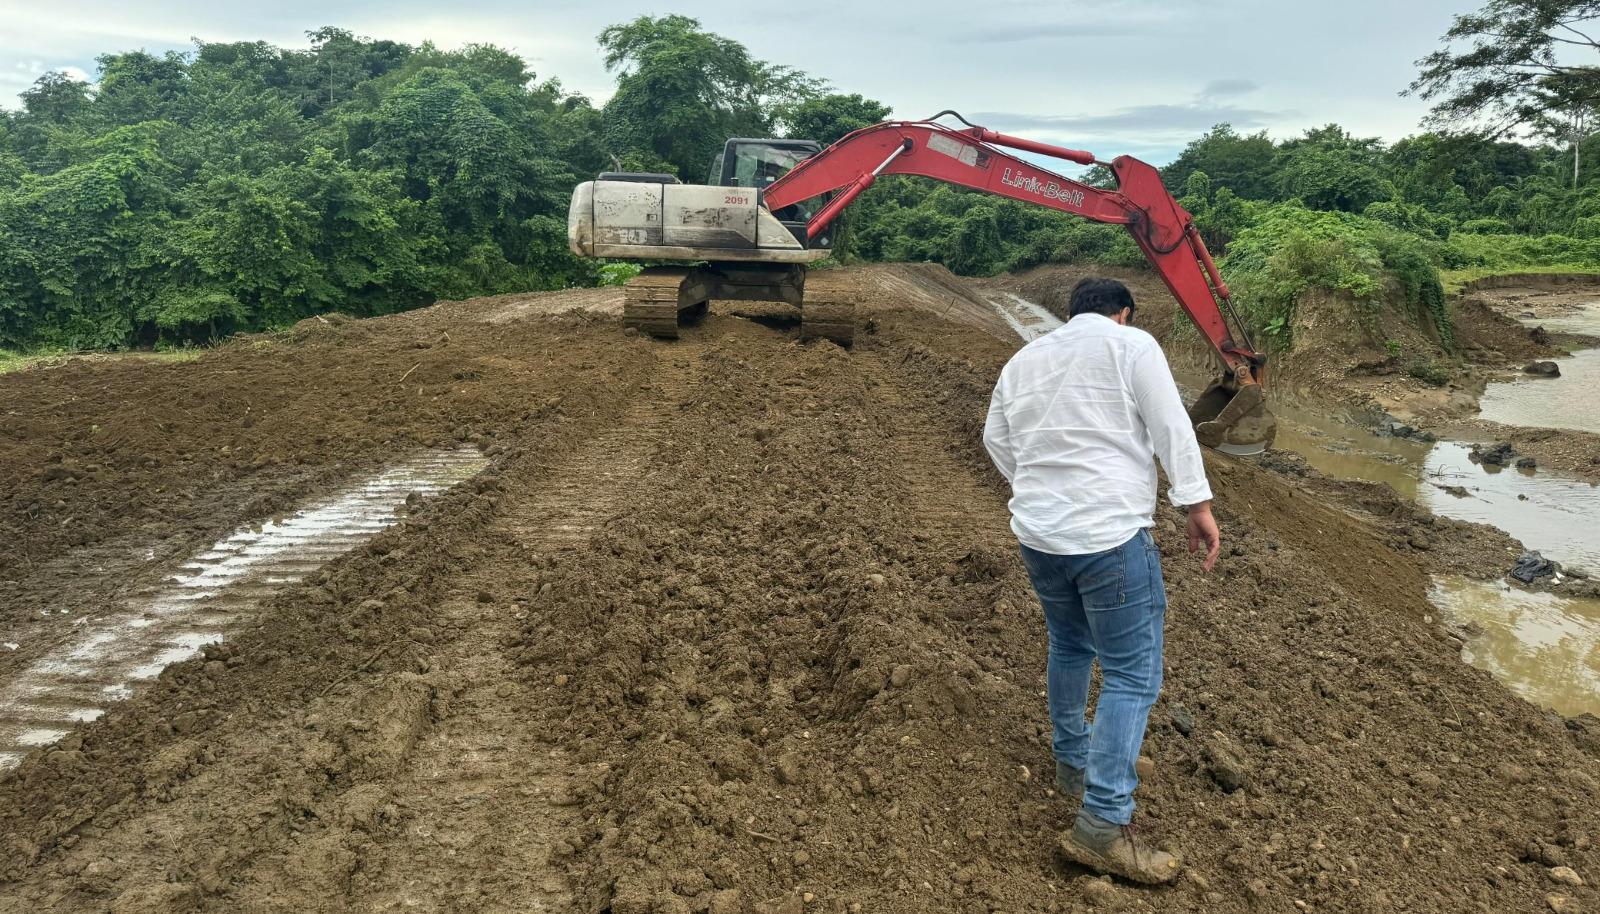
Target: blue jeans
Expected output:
[1110,605]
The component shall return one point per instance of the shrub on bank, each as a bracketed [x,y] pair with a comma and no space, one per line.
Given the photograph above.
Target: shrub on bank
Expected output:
[1490,253]
[1290,250]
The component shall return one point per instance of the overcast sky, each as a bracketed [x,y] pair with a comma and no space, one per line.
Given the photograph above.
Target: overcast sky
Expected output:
[1113,76]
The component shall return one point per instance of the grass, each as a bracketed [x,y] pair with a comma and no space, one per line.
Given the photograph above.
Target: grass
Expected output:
[11,360]
[1453,280]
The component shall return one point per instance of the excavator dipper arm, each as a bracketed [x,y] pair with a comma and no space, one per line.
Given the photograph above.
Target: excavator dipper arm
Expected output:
[1231,414]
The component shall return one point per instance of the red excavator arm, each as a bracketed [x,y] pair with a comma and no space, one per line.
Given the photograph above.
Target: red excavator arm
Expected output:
[971,157]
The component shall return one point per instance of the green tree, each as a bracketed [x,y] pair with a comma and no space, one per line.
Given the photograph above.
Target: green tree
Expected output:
[55,97]
[682,91]
[1511,62]
[829,117]
[1243,164]
[1329,169]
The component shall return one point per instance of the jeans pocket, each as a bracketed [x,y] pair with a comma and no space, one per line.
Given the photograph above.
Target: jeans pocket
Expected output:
[1104,583]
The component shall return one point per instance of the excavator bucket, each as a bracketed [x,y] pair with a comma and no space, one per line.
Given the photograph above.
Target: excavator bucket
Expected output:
[1233,418]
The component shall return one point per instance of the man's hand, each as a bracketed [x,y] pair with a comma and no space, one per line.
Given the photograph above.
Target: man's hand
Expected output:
[1203,532]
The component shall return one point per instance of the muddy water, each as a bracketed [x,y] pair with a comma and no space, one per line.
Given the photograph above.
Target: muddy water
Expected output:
[1552,513]
[1348,451]
[1547,648]
[213,592]
[1566,402]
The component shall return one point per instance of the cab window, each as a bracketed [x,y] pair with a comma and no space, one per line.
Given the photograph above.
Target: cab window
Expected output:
[757,165]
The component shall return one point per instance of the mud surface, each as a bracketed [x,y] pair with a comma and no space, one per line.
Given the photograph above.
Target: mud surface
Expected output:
[732,624]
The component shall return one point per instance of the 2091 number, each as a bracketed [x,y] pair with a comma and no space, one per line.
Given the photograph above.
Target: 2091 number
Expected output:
[735,200]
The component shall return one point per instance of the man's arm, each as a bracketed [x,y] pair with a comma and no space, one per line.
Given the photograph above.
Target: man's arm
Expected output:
[997,433]
[1203,533]
[1172,437]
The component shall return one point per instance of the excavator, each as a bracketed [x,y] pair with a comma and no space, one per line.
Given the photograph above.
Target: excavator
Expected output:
[770,207]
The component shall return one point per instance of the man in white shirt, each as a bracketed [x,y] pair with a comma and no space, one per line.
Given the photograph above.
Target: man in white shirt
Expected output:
[1078,419]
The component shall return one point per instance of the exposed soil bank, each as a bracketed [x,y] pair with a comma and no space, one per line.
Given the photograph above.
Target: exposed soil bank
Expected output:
[737,625]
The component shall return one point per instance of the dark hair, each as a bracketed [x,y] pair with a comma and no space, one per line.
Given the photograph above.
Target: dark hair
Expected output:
[1100,296]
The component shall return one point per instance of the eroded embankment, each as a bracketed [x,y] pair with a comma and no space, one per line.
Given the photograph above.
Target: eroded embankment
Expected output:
[748,627]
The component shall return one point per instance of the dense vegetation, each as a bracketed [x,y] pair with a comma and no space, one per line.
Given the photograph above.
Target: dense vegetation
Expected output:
[243,186]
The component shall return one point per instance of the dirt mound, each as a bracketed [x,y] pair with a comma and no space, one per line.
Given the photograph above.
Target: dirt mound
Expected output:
[742,629]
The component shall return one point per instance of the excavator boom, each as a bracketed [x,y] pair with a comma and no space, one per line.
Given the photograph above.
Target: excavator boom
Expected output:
[1163,230]
[1230,415]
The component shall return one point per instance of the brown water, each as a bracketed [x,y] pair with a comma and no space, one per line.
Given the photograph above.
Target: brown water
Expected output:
[1347,451]
[1545,647]
[1548,511]
[1571,401]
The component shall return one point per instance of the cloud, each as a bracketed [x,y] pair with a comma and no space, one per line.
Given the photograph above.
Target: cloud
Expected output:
[1029,21]
[1059,31]
[1187,119]
[1153,132]
[1226,88]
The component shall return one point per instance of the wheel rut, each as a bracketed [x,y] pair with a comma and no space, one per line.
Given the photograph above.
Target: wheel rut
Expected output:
[485,798]
[948,499]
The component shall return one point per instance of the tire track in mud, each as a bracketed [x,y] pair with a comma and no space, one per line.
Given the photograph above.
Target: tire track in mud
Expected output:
[952,504]
[125,643]
[264,778]
[484,798]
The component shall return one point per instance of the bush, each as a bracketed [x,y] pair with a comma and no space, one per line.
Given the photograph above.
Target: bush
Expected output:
[1291,250]
[618,274]
[1487,227]
[1517,252]
[1429,373]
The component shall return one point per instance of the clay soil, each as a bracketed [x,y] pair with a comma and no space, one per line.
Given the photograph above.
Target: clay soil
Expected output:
[731,624]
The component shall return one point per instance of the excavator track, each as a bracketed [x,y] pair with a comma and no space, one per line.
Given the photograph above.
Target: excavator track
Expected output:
[653,300]
[829,315]
[829,308]
[659,298]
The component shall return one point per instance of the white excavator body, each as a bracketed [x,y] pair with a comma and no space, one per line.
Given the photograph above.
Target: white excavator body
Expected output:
[646,220]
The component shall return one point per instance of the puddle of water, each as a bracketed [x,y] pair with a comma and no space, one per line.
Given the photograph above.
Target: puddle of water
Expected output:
[1347,451]
[1545,647]
[1547,511]
[1564,402]
[209,594]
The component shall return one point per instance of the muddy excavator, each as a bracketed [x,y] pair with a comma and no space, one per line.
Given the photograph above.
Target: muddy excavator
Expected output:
[769,209]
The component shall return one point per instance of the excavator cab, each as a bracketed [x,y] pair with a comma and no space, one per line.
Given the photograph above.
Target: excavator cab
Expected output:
[749,162]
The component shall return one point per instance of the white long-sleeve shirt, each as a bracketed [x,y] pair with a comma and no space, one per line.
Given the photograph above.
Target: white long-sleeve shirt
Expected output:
[1077,419]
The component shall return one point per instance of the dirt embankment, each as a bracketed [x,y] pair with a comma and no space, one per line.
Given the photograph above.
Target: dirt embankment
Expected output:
[747,632]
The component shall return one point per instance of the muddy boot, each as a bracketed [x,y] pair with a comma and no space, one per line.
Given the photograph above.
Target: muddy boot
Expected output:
[1069,780]
[1106,847]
